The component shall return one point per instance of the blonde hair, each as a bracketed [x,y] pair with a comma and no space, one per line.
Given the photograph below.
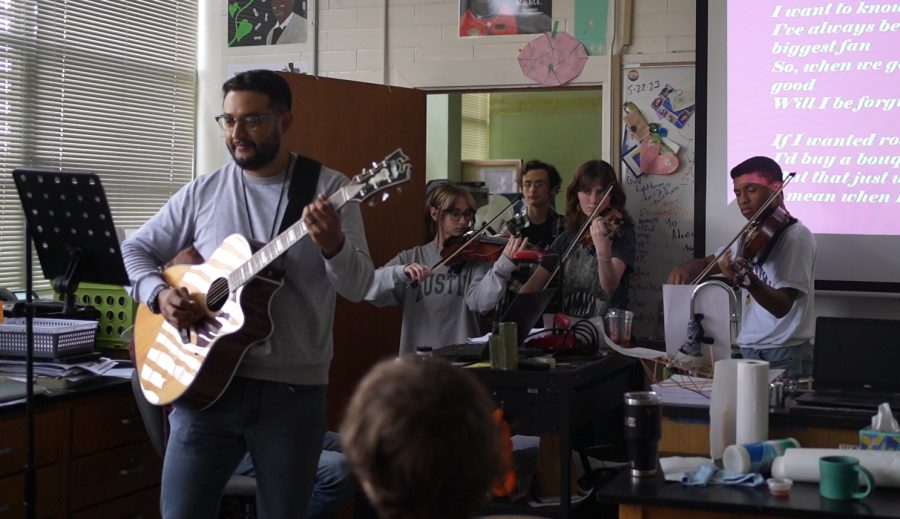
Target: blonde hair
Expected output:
[443,196]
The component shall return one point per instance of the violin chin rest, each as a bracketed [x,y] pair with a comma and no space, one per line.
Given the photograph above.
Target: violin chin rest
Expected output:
[527,255]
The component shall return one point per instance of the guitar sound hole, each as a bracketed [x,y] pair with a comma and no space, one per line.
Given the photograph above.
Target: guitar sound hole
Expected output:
[217,295]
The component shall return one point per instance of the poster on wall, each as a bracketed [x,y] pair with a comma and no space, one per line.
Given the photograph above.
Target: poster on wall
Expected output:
[590,25]
[504,17]
[266,22]
[657,157]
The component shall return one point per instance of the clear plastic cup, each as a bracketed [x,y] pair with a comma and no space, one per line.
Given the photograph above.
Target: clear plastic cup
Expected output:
[618,324]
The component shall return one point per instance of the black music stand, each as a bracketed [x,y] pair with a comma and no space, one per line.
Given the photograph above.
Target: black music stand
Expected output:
[67,216]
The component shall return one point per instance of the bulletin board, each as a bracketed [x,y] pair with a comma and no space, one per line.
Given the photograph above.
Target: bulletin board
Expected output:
[657,155]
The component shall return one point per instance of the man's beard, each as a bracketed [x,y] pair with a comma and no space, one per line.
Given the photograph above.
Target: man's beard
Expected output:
[266,152]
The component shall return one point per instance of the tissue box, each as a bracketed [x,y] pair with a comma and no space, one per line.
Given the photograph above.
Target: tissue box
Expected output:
[878,440]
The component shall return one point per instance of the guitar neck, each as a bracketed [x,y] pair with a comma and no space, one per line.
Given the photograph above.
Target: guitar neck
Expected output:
[271,251]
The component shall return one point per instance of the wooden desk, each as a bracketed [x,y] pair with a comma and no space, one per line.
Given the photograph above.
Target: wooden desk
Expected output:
[558,400]
[92,455]
[685,429]
[655,498]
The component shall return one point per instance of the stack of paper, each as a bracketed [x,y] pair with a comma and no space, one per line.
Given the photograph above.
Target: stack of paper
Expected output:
[89,368]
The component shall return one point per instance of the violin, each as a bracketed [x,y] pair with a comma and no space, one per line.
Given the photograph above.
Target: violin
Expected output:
[462,243]
[757,241]
[460,249]
[758,235]
[614,219]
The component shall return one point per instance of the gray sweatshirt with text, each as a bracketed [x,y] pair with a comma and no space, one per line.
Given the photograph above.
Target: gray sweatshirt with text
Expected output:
[443,309]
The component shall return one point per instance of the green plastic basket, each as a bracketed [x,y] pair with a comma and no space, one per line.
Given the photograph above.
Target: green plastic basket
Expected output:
[116,308]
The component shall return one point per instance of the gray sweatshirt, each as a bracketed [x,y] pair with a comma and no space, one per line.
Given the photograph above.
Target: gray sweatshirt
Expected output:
[225,202]
[443,309]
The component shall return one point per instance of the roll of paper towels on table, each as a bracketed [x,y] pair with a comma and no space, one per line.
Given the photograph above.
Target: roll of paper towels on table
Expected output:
[739,406]
[752,407]
[803,464]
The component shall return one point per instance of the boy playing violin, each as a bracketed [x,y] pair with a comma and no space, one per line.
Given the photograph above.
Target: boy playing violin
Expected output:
[777,318]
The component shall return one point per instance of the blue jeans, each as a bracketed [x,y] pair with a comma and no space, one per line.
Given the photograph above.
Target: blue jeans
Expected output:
[796,361]
[334,482]
[279,424]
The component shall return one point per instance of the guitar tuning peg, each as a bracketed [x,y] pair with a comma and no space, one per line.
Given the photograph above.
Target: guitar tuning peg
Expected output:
[385,196]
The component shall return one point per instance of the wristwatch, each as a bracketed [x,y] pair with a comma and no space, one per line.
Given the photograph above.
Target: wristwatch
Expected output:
[153,300]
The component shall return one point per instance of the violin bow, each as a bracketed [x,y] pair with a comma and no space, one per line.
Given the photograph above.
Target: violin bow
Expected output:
[468,242]
[705,272]
[577,239]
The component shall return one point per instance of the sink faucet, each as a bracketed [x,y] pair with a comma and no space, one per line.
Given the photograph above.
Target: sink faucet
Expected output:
[732,305]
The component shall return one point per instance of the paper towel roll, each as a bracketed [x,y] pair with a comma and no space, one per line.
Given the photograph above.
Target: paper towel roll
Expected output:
[739,401]
[803,464]
[721,407]
[752,407]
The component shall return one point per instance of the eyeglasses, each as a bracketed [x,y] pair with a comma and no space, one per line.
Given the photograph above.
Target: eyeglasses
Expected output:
[537,184]
[457,215]
[249,122]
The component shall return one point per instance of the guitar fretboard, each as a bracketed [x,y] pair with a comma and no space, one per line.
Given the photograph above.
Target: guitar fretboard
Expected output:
[271,251]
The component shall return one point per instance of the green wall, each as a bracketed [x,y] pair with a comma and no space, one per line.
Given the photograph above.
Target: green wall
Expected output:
[442,142]
[558,127]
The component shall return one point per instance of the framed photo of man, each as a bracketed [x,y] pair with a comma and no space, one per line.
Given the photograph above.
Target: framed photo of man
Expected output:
[267,22]
[504,17]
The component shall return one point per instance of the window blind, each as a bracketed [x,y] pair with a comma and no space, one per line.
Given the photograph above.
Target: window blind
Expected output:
[475,139]
[95,86]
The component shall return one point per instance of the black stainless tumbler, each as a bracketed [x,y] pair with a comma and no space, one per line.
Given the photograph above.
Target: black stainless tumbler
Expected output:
[642,431]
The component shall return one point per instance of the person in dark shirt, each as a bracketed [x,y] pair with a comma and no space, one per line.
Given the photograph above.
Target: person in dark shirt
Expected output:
[538,221]
[597,273]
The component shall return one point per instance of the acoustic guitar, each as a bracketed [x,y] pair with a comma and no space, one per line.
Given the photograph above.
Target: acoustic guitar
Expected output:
[235,286]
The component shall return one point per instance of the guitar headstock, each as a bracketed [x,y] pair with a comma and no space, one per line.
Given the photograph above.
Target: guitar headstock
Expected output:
[393,170]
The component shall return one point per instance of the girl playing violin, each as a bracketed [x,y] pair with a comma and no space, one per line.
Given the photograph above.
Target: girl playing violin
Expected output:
[440,307]
[777,318]
[597,273]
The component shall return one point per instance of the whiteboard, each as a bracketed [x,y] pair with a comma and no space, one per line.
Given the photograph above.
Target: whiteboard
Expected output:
[660,193]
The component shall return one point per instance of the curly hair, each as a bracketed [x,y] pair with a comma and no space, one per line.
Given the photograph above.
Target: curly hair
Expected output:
[552,173]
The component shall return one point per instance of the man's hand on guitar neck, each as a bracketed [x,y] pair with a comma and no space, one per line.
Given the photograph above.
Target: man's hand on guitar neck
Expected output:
[178,308]
[324,226]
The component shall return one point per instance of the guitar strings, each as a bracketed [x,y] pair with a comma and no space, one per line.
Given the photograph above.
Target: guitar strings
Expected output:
[220,292]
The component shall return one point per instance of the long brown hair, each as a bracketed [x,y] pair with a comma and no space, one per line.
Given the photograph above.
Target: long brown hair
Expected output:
[442,196]
[585,175]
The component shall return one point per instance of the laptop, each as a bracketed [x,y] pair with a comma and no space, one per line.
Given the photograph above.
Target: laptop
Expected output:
[855,364]
[525,310]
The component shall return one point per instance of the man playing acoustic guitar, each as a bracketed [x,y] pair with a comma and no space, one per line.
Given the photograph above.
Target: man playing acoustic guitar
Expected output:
[274,406]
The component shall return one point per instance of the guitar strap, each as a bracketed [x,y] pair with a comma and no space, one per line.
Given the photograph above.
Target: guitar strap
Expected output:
[304,179]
